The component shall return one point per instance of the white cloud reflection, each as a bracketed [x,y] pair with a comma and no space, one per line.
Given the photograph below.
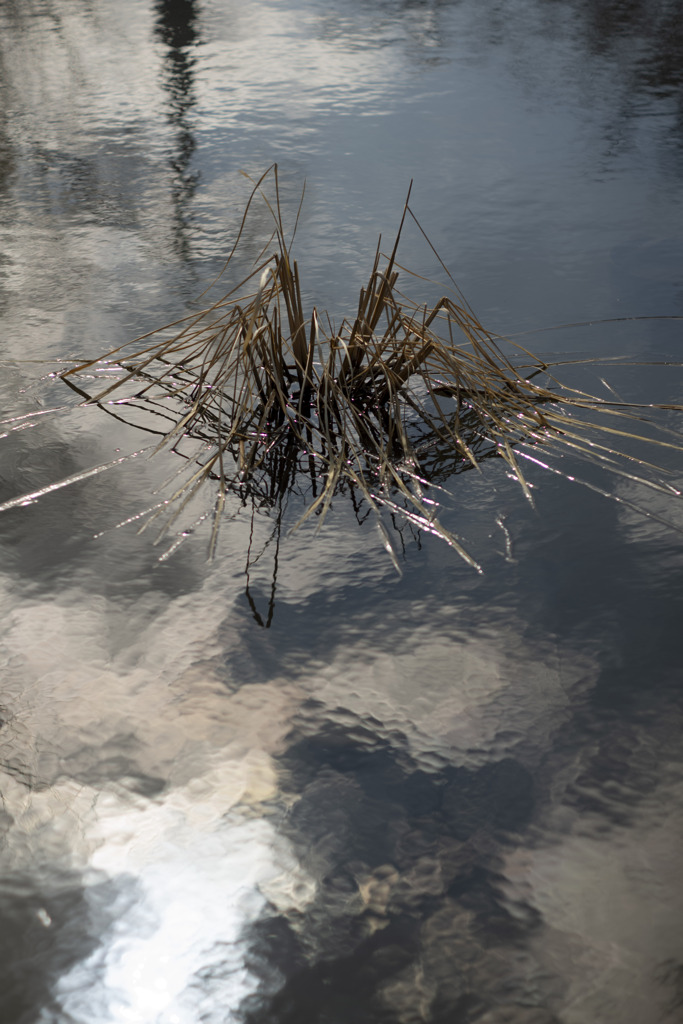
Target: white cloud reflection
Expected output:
[174,955]
[193,864]
[198,861]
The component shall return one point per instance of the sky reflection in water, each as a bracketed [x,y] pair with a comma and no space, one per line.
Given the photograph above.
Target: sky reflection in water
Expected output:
[438,798]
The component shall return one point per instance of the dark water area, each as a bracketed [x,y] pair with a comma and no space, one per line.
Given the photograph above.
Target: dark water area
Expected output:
[291,785]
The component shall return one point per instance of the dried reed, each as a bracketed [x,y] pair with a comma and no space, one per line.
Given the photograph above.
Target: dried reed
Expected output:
[375,406]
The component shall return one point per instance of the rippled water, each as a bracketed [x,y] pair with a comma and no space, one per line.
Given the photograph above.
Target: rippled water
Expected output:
[443,797]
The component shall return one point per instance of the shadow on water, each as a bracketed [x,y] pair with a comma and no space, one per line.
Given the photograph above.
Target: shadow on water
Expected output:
[176,28]
[408,905]
[644,44]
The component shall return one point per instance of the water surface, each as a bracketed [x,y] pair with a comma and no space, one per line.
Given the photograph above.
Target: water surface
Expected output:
[331,794]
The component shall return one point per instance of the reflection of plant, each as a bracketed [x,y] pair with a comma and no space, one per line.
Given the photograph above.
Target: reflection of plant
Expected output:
[399,396]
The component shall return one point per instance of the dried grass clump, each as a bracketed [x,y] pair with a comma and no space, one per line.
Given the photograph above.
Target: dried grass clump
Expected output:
[378,406]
